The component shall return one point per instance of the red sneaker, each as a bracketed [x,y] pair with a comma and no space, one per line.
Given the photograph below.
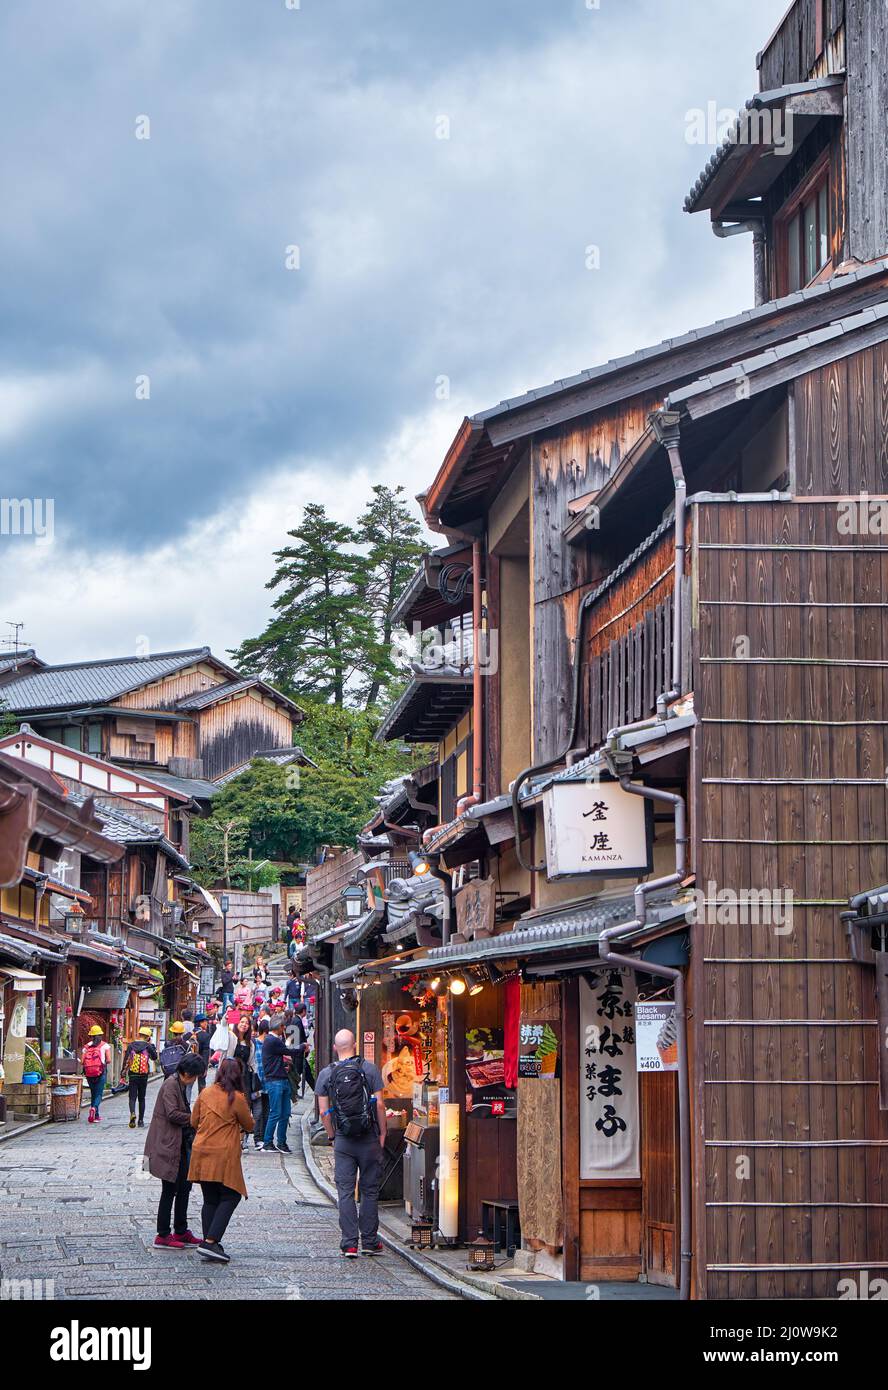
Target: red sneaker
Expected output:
[91,1117]
[188,1239]
[350,1252]
[98,1117]
[169,1243]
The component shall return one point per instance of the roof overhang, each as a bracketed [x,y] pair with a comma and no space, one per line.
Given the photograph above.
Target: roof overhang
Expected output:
[762,141]
[429,708]
[422,603]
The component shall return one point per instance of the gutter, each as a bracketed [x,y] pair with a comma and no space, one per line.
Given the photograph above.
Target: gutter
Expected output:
[755,225]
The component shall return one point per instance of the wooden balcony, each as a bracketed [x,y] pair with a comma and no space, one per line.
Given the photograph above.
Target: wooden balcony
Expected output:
[628,644]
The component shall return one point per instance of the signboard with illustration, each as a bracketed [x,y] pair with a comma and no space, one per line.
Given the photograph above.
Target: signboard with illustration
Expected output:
[656,1036]
[537,1050]
[596,828]
[486,1089]
[401,1054]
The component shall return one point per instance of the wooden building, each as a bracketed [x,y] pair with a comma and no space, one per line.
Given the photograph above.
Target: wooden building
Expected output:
[697,531]
[185,715]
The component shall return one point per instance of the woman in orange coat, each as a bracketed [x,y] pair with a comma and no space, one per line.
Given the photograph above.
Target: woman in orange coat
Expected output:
[220,1115]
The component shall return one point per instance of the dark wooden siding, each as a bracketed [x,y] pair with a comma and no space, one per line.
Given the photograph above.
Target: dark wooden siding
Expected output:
[792,750]
[576,461]
[841,419]
[867,123]
[792,54]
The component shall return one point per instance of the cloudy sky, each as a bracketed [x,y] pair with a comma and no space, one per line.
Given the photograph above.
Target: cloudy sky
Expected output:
[262,252]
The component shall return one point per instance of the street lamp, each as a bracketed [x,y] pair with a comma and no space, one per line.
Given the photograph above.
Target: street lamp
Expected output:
[355,899]
[224,903]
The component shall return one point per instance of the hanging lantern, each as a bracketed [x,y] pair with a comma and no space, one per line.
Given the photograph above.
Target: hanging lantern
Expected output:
[481,1253]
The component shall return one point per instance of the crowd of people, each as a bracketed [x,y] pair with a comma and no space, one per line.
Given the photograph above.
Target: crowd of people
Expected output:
[246,1058]
[249,1057]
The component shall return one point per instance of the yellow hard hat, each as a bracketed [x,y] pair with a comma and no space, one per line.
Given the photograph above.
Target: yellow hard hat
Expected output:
[96,1031]
[144,1032]
[177,1028]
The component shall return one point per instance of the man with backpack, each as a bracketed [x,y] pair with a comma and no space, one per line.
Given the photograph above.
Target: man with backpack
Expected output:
[177,1046]
[277,1059]
[353,1114]
[136,1067]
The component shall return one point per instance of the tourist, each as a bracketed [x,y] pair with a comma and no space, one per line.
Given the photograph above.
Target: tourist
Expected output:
[220,1116]
[95,1059]
[167,1148]
[137,1061]
[353,1114]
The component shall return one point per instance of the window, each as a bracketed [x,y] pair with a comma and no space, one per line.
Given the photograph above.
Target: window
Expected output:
[803,233]
[95,739]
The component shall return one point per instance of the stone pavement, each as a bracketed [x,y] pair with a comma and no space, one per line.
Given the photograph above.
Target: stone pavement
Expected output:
[77,1209]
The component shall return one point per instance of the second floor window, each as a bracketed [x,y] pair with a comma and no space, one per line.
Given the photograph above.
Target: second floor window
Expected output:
[803,232]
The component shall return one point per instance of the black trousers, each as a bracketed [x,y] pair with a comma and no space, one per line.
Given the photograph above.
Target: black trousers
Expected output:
[138,1085]
[218,1209]
[174,1201]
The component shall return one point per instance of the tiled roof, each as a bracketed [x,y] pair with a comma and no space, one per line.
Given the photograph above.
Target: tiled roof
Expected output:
[126,829]
[211,696]
[94,682]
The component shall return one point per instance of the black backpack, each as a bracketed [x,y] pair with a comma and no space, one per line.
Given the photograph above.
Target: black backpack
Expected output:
[171,1056]
[350,1098]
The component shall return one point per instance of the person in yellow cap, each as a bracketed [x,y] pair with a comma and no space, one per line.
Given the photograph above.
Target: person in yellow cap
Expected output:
[95,1058]
[137,1060]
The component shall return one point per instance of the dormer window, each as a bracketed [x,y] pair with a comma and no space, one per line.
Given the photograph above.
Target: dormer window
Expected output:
[803,239]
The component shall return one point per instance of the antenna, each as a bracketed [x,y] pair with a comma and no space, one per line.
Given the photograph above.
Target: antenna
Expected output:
[13,642]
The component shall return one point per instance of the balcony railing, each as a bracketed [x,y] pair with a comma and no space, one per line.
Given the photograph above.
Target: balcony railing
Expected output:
[630,637]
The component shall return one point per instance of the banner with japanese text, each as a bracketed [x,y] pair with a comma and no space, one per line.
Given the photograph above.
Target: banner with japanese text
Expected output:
[608,1077]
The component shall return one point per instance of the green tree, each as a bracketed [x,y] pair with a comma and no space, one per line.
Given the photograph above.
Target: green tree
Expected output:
[9,722]
[394,545]
[220,853]
[322,634]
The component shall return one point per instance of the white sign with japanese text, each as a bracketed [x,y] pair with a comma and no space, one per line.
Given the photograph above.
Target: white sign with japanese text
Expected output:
[595,828]
[608,1077]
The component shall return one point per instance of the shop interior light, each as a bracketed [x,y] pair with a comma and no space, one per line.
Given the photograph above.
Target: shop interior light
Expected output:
[476,984]
[419,863]
[457,985]
[435,985]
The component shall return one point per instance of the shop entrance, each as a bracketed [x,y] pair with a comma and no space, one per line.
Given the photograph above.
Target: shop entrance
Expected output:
[659,1172]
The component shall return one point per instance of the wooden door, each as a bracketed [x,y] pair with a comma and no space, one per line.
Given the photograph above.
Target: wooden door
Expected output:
[660,1176]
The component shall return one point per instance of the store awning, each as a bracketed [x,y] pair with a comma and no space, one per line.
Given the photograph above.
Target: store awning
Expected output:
[185,969]
[106,997]
[383,967]
[22,979]
[560,929]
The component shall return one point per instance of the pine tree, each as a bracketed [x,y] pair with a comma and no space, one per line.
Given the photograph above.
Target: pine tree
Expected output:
[322,634]
[394,545]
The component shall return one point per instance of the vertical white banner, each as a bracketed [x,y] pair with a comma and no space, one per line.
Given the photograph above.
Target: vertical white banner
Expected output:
[608,1077]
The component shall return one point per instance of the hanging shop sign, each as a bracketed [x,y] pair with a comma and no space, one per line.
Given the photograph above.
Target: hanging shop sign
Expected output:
[596,828]
[537,1050]
[656,1036]
[476,909]
[401,1059]
[608,1077]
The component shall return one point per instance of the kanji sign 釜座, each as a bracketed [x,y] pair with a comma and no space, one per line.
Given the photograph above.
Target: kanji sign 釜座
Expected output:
[608,1077]
[596,828]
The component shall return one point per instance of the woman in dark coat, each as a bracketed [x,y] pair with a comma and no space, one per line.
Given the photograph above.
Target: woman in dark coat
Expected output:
[168,1150]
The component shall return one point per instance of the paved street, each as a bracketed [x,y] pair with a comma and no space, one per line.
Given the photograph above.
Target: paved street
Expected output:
[77,1209]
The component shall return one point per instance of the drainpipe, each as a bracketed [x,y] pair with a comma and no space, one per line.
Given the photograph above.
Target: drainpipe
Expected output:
[447,886]
[666,425]
[756,225]
[477,711]
[676,979]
